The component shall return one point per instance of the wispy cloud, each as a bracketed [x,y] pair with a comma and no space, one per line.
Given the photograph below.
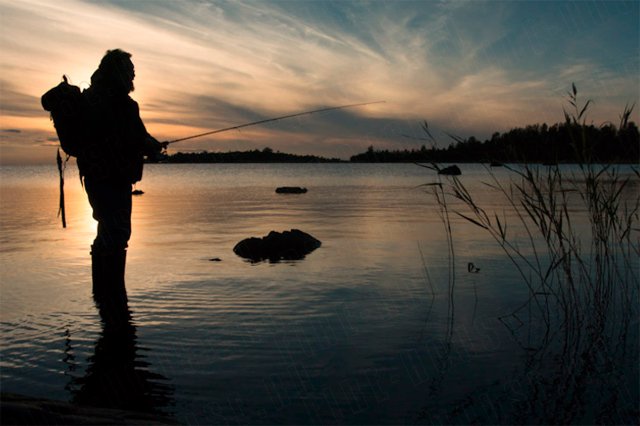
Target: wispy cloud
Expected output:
[468,67]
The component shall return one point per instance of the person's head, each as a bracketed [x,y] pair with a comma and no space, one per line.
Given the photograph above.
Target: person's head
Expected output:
[115,72]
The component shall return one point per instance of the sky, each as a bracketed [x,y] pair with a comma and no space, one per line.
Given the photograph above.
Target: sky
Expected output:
[467,67]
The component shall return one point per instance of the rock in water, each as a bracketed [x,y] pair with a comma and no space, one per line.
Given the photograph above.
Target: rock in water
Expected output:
[450,171]
[288,245]
[291,190]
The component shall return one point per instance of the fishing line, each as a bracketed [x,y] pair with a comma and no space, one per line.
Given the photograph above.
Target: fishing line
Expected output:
[268,120]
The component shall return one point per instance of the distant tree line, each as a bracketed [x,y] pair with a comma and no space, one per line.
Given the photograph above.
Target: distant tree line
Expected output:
[567,142]
[539,143]
[267,155]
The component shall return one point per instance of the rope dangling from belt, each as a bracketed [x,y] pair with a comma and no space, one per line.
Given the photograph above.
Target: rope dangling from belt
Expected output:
[61,167]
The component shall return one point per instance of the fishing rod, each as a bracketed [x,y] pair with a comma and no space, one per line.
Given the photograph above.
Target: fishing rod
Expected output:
[268,120]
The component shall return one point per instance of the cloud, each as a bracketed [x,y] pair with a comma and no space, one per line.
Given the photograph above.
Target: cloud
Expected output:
[17,103]
[467,67]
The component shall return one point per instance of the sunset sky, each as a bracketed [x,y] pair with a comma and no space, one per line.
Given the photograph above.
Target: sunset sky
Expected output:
[469,68]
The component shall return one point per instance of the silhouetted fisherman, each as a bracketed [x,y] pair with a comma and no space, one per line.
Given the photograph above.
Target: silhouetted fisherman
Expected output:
[112,162]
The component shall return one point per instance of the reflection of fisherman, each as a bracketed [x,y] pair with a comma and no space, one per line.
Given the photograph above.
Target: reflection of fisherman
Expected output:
[118,375]
[112,162]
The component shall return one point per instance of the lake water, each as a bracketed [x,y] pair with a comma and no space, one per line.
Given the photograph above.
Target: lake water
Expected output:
[370,328]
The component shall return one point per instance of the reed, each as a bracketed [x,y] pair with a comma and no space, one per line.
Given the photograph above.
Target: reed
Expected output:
[582,278]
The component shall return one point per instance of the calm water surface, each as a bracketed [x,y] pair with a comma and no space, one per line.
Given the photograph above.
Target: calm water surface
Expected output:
[369,328]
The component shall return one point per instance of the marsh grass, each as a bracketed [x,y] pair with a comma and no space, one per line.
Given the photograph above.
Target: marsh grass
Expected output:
[582,279]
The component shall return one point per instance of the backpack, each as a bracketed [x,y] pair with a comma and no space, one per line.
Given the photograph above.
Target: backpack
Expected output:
[69,111]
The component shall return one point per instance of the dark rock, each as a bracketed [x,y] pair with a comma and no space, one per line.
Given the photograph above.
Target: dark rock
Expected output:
[288,245]
[291,190]
[215,259]
[450,171]
[137,192]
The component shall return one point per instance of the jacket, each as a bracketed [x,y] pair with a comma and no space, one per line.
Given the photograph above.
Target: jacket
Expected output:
[118,141]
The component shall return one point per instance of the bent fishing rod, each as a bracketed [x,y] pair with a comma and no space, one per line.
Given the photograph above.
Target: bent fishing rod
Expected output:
[268,120]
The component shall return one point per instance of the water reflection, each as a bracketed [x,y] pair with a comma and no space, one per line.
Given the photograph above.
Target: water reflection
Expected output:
[576,341]
[118,376]
[578,372]
[351,335]
[556,375]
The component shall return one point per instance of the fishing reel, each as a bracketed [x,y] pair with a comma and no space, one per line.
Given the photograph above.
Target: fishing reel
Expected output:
[159,150]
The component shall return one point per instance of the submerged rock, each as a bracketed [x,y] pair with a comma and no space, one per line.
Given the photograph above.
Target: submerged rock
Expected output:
[450,171]
[291,190]
[288,245]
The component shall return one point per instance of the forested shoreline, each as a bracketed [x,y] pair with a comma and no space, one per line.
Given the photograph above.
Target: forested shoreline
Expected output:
[539,143]
[266,155]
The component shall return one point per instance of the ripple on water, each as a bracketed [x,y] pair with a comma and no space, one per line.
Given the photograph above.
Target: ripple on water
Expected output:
[355,333]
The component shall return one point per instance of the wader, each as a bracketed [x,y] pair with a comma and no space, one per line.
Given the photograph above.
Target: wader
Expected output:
[111,203]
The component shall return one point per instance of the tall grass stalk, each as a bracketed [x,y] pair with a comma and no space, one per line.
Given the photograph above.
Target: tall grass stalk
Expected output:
[583,275]
[582,281]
